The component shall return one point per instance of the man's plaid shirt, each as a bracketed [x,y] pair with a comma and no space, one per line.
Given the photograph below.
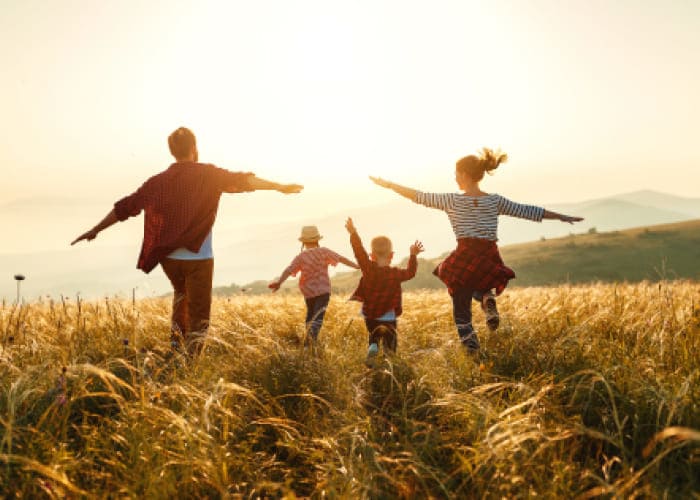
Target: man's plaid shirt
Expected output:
[180,207]
[380,287]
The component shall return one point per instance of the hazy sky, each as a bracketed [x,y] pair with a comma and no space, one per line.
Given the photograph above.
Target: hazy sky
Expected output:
[589,98]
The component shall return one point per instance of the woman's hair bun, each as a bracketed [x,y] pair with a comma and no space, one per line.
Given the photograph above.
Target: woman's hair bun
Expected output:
[491,159]
[476,165]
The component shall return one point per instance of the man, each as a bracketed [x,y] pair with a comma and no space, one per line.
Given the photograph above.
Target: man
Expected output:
[180,206]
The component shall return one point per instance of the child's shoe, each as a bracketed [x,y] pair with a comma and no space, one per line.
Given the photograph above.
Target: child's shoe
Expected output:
[372,353]
[488,304]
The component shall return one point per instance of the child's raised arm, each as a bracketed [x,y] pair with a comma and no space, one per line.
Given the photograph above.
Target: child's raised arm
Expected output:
[410,271]
[350,226]
[416,248]
[357,248]
[404,191]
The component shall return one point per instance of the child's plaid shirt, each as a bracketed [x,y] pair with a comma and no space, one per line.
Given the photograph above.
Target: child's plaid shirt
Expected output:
[380,287]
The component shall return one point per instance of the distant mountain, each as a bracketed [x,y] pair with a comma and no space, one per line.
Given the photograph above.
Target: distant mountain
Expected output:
[615,213]
[90,271]
[50,223]
[250,246]
[42,203]
[663,201]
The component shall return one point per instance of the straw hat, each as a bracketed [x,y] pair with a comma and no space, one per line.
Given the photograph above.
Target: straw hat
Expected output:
[309,234]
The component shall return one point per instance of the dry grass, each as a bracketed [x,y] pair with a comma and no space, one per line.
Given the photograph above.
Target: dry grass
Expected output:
[583,392]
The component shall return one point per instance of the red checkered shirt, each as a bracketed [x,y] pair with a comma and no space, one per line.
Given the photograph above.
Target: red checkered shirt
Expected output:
[475,264]
[379,289]
[180,207]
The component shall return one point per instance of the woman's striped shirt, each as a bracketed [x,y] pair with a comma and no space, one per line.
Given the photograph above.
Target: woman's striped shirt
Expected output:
[477,216]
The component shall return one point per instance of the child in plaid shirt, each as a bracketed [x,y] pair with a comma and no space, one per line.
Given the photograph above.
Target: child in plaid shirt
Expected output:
[379,289]
[314,283]
[475,268]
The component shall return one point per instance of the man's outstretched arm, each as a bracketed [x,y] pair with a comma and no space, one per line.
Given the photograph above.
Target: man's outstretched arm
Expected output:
[259,184]
[110,219]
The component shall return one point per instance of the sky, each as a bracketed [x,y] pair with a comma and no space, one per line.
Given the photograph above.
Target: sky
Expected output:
[588,98]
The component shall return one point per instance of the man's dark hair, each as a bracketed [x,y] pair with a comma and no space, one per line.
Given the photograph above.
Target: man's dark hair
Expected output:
[181,142]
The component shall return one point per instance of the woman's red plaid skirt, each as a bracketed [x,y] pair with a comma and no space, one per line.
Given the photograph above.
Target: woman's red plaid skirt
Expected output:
[475,265]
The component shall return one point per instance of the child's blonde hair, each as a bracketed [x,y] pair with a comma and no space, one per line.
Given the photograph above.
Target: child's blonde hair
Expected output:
[475,166]
[381,246]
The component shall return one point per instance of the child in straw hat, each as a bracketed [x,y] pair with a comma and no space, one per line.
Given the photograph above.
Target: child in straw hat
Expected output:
[314,283]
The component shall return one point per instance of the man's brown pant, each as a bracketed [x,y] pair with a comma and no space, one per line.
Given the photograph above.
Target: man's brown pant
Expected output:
[192,281]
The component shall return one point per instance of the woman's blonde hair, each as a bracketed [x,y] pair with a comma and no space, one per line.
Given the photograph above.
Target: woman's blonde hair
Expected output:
[486,161]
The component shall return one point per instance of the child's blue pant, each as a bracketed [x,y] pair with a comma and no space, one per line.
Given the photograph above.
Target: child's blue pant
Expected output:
[315,310]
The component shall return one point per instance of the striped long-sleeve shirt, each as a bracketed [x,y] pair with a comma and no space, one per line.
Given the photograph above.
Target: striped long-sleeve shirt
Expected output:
[477,216]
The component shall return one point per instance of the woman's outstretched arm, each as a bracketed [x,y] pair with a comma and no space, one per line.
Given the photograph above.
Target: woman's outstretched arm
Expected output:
[531,212]
[404,191]
[564,218]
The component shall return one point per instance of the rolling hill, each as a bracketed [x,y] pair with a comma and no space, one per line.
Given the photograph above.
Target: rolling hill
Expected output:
[668,251]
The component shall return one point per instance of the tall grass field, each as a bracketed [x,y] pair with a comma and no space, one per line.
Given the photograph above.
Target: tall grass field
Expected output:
[583,392]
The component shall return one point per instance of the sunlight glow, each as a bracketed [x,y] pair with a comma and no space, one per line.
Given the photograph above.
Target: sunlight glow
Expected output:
[324,92]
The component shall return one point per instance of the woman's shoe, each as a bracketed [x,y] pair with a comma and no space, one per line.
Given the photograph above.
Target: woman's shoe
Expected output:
[488,304]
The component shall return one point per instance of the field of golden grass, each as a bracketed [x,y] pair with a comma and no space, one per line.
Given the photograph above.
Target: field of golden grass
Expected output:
[586,391]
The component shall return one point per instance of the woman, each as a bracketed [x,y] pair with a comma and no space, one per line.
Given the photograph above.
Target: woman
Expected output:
[475,268]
